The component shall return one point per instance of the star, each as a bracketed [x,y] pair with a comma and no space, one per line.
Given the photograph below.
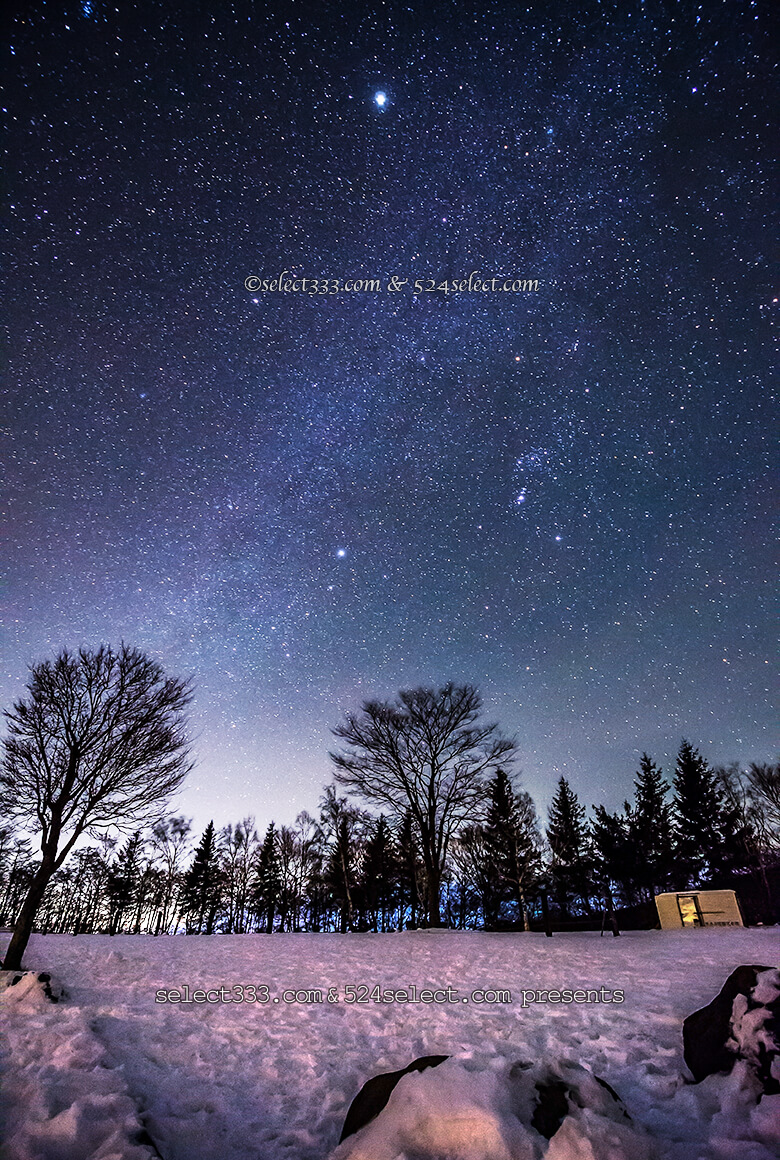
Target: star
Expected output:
[380,99]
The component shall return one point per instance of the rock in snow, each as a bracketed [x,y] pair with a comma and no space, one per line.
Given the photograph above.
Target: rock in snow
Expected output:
[375,1093]
[30,990]
[522,1111]
[741,1022]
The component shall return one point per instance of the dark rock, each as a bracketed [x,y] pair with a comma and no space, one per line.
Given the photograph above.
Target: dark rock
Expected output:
[374,1094]
[545,1100]
[708,1034]
[143,1137]
[552,1108]
[556,1096]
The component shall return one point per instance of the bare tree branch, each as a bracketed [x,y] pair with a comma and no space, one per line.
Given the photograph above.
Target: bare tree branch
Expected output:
[427,754]
[99,741]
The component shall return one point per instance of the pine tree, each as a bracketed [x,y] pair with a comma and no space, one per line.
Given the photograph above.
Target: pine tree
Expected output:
[124,881]
[201,891]
[702,841]
[379,875]
[567,836]
[265,891]
[613,854]
[650,830]
[512,845]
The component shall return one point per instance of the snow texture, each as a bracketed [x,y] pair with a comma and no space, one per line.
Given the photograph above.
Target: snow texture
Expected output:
[469,1110]
[87,1076]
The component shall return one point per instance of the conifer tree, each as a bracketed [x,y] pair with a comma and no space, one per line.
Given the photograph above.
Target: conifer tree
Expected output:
[124,881]
[379,875]
[512,843]
[699,818]
[567,836]
[613,854]
[650,830]
[265,893]
[201,892]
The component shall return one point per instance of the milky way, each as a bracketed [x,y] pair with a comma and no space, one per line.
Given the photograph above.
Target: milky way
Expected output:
[303,499]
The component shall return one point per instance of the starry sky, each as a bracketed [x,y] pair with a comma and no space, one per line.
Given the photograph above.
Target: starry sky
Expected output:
[303,499]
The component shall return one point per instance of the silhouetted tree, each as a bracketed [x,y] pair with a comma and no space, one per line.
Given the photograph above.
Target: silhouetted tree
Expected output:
[651,831]
[340,823]
[170,840]
[409,870]
[237,844]
[512,842]
[265,891]
[479,885]
[427,753]
[124,878]
[567,835]
[99,741]
[614,859]
[16,873]
[764,786]
[202,887]
[379,875]
[704,839]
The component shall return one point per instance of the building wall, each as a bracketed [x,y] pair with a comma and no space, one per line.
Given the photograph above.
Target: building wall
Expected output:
[714,908]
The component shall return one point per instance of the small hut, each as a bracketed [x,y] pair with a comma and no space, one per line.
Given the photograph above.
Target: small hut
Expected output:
[698,908]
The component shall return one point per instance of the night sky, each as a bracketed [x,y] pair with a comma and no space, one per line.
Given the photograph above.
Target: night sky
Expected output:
[304,500]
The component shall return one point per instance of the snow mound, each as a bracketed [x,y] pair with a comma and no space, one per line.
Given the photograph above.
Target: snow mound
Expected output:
[61,1098]
[466,1110]
[754,1025]
[29,990]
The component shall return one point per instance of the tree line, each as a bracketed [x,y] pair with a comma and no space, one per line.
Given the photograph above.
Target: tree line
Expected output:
[449,837]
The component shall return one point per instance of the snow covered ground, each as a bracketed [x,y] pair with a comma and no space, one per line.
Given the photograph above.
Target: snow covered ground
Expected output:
[88,1076]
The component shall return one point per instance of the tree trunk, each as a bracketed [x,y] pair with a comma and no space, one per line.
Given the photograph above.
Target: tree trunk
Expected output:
[524,911]
[434,890]
[546,915]
[24,923]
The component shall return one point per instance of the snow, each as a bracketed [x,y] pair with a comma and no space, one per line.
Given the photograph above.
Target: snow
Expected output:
[463,1110]
[86,1077]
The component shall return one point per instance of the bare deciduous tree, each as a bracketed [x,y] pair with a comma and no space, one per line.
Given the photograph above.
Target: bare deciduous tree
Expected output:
[764,782]
[99,741]
[428,754]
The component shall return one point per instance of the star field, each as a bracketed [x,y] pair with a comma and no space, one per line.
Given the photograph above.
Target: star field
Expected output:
[303,500]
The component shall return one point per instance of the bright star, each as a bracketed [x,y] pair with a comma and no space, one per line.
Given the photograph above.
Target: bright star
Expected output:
[381,99]
[341,552]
